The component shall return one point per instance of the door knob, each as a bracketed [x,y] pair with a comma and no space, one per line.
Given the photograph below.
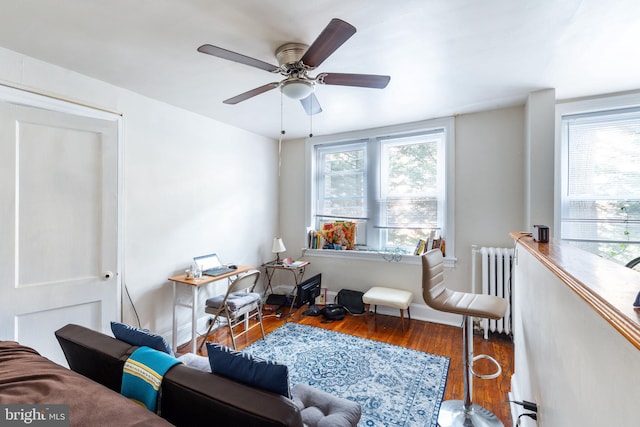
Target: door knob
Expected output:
[108,274]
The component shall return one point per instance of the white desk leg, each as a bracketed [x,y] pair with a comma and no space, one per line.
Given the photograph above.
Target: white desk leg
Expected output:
[194,300]
[174,338]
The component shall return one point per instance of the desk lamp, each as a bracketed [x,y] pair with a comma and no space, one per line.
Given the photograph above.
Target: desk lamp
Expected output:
[278,247]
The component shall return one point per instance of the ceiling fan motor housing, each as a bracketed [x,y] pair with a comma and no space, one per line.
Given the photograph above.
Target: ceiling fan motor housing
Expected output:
[296,85]
[289,55]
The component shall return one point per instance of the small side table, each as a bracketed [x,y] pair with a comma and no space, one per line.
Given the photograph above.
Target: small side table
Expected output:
[296,269]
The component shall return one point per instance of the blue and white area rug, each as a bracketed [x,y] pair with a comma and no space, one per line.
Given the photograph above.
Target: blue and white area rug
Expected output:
[395,386]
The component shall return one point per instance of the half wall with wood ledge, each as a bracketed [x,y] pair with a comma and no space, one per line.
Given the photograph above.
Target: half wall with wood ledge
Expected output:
[576,335]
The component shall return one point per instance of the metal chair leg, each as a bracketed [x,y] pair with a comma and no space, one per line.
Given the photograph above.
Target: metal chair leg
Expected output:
[233,337]
[206,335]
[465,413]
[260,320]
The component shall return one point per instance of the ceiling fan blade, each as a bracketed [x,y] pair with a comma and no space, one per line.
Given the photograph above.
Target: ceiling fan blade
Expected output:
[361,80]
[311,105]
[251,93]
[331,38]
[236,57]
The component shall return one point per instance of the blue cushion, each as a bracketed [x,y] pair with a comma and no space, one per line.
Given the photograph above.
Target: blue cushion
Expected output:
[139,337]
[249,370]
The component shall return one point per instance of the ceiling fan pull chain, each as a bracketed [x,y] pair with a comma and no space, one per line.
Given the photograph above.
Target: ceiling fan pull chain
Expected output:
[281,113]
[279,152]
[310,125]
[281,132]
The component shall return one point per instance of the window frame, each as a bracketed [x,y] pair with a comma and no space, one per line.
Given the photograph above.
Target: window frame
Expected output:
[448,226]
[576,108]
[342,147]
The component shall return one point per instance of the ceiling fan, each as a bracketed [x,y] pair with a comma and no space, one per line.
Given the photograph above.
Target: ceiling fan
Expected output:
[296,60]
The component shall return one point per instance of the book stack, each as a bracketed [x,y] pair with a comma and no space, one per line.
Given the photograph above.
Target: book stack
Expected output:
[431,242]
[420,247]
[316,240]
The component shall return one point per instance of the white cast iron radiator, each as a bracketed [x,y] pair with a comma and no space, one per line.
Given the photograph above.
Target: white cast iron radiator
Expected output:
[495,275]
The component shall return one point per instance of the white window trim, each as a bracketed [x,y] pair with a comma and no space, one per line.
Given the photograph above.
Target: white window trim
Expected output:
[571,107]
[448,123]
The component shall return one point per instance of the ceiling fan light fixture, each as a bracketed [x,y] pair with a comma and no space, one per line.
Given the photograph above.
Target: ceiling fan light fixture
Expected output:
[297,89]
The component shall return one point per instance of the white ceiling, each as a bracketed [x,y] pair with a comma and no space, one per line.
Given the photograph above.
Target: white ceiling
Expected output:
[444,56]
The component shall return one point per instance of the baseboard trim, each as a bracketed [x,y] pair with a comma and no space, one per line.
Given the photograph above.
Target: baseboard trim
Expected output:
[418,311]
[424,313]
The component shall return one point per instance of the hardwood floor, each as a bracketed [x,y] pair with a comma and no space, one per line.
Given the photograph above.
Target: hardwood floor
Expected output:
[423,336]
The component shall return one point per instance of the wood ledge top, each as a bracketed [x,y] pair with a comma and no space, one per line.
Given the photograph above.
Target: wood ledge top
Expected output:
[204,280]
[607,287]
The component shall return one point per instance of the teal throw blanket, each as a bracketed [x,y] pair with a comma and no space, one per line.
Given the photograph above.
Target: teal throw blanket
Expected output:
[142,375]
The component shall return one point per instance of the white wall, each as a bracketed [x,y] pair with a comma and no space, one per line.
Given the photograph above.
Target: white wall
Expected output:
[489,183]
[539,157]
[489,204]
[567,358]
[192,185]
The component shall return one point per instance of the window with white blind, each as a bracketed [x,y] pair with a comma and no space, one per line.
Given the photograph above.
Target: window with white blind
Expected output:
[391,183]
[341,181]
[600,198]
[412,198]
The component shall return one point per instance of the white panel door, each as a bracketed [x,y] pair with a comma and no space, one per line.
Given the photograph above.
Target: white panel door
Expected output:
[59,224]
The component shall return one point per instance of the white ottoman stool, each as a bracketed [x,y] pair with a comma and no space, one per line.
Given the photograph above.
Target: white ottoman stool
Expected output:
[396,298]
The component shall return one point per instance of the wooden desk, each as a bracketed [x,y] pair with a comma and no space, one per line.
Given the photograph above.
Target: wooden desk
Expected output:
[195,286]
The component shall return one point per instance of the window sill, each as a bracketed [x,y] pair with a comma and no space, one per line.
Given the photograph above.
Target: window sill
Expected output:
[371,256]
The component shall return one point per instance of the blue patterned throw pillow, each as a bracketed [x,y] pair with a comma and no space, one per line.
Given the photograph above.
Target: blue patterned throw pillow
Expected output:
[139,337]
[249,370]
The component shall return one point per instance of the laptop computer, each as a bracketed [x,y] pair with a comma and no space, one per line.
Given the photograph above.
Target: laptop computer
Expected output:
[210,265]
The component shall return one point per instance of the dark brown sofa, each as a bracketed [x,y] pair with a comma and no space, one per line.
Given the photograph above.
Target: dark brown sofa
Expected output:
[28,379]
[189,396]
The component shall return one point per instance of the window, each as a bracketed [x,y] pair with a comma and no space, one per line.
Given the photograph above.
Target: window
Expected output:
[341,181]
[600,197]
[391,182]
[411,187]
